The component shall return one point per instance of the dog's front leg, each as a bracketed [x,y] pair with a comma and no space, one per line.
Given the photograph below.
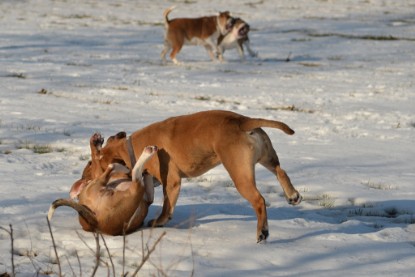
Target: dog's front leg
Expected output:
[251,52]
[171,193]
[209,49]
[240,51]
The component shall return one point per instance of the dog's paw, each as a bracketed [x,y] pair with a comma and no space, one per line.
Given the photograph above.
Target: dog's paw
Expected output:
[263,236]
[295,199]
[97,140]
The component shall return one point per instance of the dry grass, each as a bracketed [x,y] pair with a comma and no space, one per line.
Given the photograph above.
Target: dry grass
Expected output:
[96,251]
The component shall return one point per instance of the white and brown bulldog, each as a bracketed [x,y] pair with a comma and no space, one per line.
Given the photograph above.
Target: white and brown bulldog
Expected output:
[112,202]
[236,38]
[195,31]
[190,145]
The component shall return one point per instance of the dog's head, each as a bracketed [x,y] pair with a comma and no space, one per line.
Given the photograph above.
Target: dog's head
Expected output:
[113,152]
[225,22]
[241,28]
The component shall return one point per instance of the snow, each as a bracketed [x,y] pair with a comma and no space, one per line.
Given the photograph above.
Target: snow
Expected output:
[71,68]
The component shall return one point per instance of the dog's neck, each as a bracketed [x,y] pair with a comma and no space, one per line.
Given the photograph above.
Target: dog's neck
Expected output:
[131,154]
[222,30]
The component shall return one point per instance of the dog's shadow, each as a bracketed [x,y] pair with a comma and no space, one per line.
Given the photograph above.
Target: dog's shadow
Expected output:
[191,215]
[381,215]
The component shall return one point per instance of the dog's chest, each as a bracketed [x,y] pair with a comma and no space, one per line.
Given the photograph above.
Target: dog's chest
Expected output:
[229,41]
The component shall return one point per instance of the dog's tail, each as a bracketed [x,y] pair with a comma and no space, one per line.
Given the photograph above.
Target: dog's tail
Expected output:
[165,15]
[253,123]
[82,210]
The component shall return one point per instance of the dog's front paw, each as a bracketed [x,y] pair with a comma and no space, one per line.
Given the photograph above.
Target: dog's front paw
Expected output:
[97,140]
[295,199]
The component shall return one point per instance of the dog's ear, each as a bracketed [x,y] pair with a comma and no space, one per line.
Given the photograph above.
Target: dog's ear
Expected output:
[77,188]
[121,135]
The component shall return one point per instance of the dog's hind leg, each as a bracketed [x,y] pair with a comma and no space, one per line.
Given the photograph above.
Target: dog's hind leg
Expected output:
[166,49]
[270,161]
[240,164]
[95,143]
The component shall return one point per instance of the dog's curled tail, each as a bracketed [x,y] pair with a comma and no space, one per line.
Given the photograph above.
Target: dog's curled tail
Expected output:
[166,14]
[253,123]
[82,210]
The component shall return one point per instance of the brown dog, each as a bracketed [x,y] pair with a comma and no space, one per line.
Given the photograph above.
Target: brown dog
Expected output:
[197,31]
[236,38]
[112,203]
[190,145]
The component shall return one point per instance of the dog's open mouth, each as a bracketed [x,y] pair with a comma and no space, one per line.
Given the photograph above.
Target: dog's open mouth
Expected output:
[243,32]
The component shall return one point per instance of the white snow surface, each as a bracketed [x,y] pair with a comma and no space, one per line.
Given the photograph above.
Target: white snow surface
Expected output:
[72,68]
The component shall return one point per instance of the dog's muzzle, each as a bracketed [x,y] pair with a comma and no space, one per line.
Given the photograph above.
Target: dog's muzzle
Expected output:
[243,32]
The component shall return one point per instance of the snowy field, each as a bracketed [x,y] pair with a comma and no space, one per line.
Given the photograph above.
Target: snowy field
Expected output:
[340,73]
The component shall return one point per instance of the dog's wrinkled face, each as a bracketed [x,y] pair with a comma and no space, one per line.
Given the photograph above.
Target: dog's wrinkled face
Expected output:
[107,156]
[109,153]
[240,28]
[226,22]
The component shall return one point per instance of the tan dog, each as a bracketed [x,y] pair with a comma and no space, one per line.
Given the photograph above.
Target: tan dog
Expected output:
[190,145]
[236,38]
[197,31]
[112,203]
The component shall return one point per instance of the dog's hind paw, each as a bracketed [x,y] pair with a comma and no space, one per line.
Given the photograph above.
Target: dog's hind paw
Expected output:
[295,199]
[263,236]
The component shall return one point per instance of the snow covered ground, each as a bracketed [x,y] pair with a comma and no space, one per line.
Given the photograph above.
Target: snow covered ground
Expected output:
[71,68]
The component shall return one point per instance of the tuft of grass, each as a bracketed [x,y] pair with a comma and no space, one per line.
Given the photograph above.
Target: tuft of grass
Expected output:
[66,133]
[291,108]
[220,101]
[36,148]
[17,75]
[326,201]
[363,37]
[308,64]
[202,98]
[42,91]
[388,212]
[379,186]
[42,149]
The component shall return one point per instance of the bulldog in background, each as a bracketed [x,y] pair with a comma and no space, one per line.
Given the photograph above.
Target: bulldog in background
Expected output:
[195,31]
[236,38]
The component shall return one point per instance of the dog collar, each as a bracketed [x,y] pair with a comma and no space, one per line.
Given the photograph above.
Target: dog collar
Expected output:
[130,149]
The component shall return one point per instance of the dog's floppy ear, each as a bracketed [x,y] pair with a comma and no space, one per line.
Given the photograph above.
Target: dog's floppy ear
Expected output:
[77,188]
[121,135]
[225,13]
